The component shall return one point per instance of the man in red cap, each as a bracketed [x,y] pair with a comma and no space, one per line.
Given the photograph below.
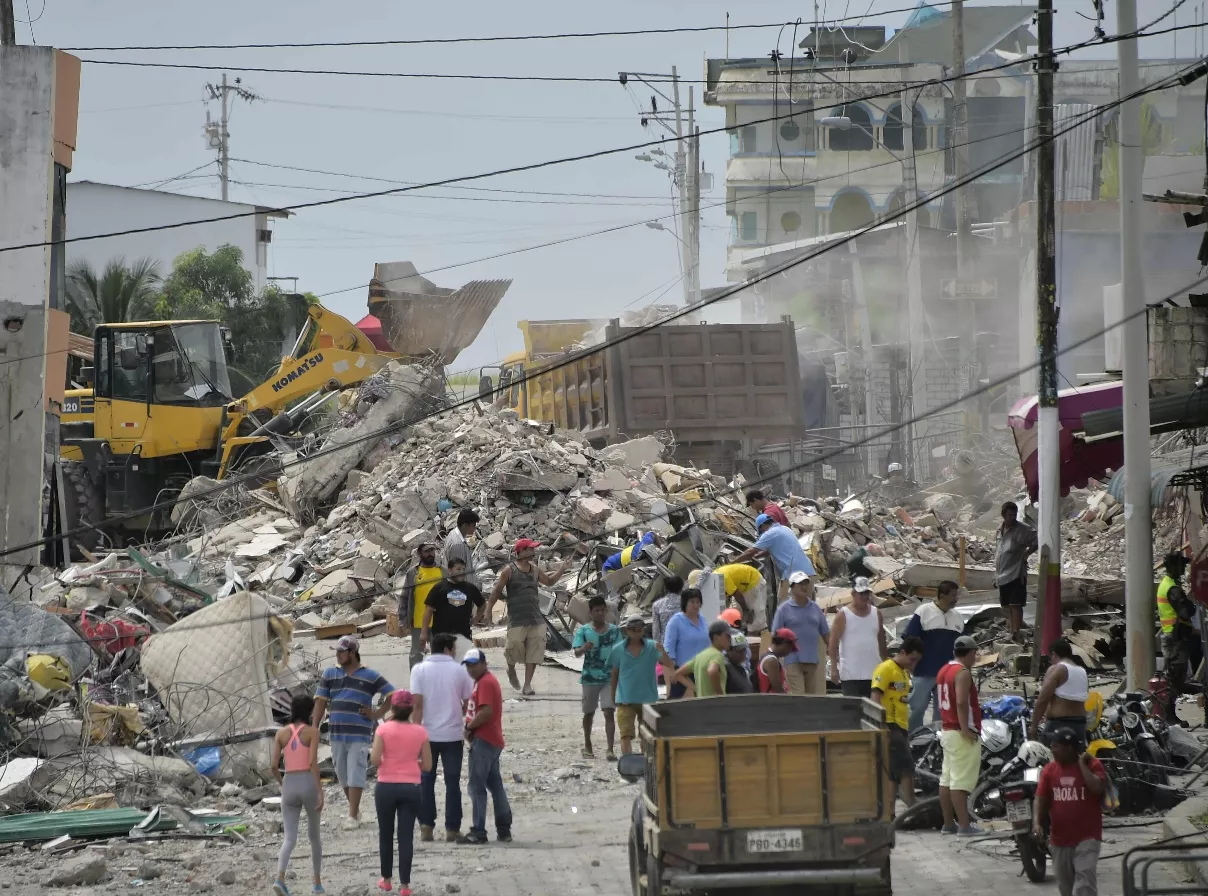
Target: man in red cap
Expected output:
[770,671]
[526,626]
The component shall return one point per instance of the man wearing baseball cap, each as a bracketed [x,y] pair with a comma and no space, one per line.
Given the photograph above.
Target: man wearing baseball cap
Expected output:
[770,670]
[349,688]
[738,677]
[857,642]
[484,731]
[707,670]
[521,579]
[413,597]
[961,717]
[1069,797]
[802,615]
[634,680]
[780,543]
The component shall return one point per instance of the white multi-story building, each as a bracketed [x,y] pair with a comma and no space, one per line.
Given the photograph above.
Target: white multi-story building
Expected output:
[94,208]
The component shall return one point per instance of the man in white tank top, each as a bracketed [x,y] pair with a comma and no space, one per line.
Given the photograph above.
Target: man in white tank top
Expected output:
[1061,703]
[857,642]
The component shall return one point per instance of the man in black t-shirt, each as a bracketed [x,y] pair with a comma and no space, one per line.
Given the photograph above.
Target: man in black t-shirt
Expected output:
[451,606]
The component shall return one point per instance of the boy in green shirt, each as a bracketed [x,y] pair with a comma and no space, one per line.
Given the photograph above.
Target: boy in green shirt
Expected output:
[708,667]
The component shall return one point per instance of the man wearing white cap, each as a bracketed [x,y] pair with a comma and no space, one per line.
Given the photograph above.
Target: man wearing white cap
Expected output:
[634,680]
[801,615]
[857,642]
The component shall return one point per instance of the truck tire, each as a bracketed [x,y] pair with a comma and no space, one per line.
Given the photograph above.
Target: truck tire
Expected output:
[637,871]
[654,875]
[84,501]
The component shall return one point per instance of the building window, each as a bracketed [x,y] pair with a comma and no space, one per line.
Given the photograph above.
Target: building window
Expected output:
[748,226]
[893,129]
[791,222]
[746,139]
[857,138]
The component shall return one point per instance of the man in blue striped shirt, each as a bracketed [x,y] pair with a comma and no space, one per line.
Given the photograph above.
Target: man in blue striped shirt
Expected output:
[348,689]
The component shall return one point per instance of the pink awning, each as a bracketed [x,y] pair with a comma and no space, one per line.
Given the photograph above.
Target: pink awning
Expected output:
[372,327]
[1080,461]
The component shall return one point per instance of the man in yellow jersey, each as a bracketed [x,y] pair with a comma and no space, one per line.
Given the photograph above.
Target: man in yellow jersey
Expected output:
[745,584]
[891,689]
[413,599]
[1175,612]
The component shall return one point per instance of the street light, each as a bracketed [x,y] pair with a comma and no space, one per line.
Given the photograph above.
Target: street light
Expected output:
[842,122]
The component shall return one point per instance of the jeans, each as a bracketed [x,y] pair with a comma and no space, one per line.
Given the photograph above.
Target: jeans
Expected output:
[449,754]
[922,692]
[484,777]
[401,802]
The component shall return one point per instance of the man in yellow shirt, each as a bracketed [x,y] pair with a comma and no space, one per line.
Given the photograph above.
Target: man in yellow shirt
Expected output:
[745,584]
[891,689]
[414,597]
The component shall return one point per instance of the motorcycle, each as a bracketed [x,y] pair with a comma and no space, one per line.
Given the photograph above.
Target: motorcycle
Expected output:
[1019,798]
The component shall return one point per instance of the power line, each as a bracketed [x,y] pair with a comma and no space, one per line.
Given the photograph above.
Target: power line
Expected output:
[575,357]
[422,41]
[517,169]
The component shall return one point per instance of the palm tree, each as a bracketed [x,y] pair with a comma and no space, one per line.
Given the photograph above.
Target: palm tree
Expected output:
[121,293]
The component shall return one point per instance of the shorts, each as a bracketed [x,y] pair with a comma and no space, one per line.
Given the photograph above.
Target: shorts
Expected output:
[525,644]
[962,762]
[901,763]
[856,687]
[597,695]
[627,719]
[351,759]
[1076,724]
[1013,594]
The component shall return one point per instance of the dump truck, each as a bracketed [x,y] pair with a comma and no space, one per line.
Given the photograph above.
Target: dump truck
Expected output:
[761,791]
[721,390]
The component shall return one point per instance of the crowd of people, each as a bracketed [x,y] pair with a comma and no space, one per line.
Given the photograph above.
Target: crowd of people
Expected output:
[455,704]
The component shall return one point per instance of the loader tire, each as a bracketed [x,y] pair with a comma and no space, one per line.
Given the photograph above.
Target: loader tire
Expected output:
[85,504]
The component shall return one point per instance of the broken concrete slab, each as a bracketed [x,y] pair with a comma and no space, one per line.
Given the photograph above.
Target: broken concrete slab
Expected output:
[79,871]
[636,453]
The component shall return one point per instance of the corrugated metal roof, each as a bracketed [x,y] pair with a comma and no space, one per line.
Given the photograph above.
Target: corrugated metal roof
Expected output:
[1074,156]
[930,38]
[1162,470]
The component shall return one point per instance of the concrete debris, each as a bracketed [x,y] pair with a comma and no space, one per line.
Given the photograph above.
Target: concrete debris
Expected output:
[81,871]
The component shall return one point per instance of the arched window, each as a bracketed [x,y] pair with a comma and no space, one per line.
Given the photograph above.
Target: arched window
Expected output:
[851,210]
[893,128]
[857,138]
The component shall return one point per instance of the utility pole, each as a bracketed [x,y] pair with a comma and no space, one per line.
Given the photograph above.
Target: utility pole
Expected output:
[1048,424]
[681,182]
[1138,545]
[8,24]
[915,311]
[691,211]
[218,133]
[964,229]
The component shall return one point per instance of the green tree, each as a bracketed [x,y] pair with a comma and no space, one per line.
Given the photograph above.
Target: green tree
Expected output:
[1155,139]
[120,293]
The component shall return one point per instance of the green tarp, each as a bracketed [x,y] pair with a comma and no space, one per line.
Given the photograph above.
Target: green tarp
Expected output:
[93,823]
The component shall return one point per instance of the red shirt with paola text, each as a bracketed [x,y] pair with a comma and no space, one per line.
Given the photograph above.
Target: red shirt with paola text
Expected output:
[487,692]
[1075,814]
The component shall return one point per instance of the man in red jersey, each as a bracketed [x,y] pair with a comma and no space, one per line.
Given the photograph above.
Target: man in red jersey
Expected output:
[960,716]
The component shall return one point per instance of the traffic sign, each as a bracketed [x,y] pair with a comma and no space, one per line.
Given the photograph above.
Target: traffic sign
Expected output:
[969,289]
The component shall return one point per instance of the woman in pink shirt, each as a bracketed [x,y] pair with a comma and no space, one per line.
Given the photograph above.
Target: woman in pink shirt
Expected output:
[400,752]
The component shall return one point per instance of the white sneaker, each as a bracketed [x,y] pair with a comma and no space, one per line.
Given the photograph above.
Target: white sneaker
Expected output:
[351,824]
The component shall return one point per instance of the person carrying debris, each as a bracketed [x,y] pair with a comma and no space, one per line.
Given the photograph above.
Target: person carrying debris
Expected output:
[891,689]
[402,754]
[298,743]
[961,717]
[594,642]
[938,625]
[769,672]
[707,671]
[1175,617]
[451,607]
[857,642]
[801,615]
[457,545]
[1061,703]
[780,543]
[760,504]
[417,583]
[349,688]
[521,580]
[632,552]
[1069,797]
[440,688]
[1016,542]
[633,679]
[746,585]
[484,732]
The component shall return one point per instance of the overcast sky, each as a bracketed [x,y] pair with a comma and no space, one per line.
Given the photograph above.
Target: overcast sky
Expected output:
[139,126]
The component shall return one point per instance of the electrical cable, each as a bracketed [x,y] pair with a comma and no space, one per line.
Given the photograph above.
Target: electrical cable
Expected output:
[691,29]
[574,357]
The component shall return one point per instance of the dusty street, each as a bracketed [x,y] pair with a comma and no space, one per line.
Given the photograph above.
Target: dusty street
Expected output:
[571,823]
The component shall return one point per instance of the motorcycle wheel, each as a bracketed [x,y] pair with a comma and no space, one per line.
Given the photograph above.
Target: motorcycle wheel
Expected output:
[1034,858]
[1156,760]
[981,808]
